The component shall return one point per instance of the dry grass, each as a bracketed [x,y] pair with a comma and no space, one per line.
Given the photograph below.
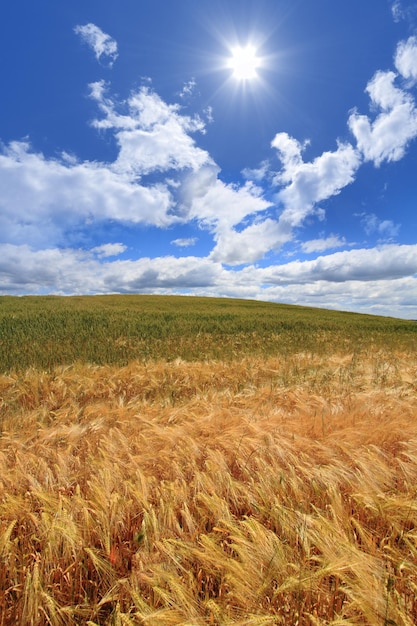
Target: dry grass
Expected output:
[261,491]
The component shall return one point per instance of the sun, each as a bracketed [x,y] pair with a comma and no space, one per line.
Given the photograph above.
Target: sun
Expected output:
[244,62]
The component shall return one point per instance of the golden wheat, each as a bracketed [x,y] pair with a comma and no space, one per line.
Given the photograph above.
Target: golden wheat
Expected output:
[261,491]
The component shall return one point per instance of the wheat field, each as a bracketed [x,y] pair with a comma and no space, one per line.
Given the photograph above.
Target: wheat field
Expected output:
[258,490]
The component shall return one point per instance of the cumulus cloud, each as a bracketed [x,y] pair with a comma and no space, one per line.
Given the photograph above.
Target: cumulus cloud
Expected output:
[248,245]
[304,184]
[102,44]
[406,58]
[217,204]
[312,182]
[387,137]
[385,262]
[152,135]
[46,201]
[307,183]
[25,270]
[221,208]
[289,152]
[42,199]
[320,245]
[396,298]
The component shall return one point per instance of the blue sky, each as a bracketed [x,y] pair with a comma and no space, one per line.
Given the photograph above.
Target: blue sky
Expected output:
[136,158]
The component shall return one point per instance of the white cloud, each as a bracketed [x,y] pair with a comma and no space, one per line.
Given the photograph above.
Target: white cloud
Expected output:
[396,298]
[384,94]
[152,135]
[208,112]
[24,270]
[313,182]
[385,262]
[388,136]
[184,242]
[247,246]
[221,208]
[109,249]
[217,204]
[397,11]
[306,185]
[188,89]
[163,274]
[102,44]
[289,152]
[406,59]
[42,199]
[404,11]
[320,245]
[258,174]
[386,229]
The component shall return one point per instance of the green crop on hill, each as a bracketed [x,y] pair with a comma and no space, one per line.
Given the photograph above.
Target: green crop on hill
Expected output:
[46,331]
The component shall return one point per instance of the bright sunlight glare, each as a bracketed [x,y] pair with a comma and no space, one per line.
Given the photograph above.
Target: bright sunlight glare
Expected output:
[244,62]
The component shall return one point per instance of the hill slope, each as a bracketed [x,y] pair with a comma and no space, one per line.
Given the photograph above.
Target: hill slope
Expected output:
[49,331]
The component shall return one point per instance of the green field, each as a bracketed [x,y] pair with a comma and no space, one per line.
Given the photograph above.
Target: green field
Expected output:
[46,331]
